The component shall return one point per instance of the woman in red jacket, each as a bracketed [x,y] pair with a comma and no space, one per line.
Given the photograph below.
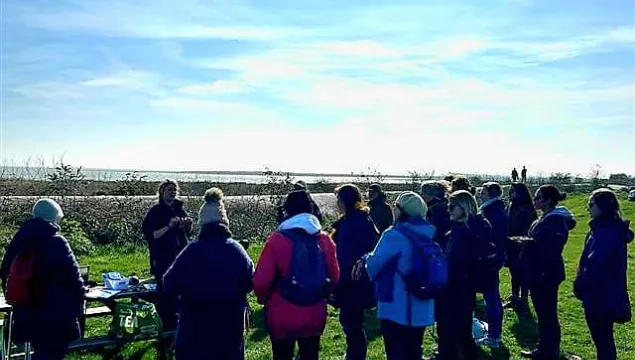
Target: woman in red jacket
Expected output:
[288,322]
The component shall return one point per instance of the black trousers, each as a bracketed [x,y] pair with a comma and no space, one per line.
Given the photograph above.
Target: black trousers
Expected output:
[454,311]
[602,334]
[402,342]
[352,321]
[284,349]
[545,299]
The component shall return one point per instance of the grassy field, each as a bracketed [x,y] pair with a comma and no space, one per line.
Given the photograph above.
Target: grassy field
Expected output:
[519,333]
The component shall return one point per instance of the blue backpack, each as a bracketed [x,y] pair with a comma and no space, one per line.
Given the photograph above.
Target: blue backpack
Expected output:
[307,281]
[429,273]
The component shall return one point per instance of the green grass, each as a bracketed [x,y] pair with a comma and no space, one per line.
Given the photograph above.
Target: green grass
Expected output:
[518,333]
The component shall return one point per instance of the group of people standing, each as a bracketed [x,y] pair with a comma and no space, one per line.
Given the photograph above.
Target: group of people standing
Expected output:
[365,262]
[523,175]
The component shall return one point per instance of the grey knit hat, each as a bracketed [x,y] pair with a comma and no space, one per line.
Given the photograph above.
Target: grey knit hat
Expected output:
[48,210]
[213,210]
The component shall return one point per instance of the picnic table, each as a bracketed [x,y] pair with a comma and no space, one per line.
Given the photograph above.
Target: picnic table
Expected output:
[146,290]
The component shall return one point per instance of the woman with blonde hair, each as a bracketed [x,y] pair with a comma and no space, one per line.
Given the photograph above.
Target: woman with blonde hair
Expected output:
[355,235]
[469,236]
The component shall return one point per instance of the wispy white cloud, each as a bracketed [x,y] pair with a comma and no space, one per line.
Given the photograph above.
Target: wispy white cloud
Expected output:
[501,74]
[220,87]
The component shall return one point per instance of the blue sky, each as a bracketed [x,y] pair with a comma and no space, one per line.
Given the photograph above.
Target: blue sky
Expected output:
[324,86]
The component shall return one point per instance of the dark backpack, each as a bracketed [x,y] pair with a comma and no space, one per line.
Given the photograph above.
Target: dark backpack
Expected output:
[307,281]
[25,285]
[430,268]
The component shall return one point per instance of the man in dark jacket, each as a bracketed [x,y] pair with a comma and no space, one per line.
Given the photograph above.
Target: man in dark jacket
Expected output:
[493,209]
[434,193]
[211,278]
[50,325]
[380,211]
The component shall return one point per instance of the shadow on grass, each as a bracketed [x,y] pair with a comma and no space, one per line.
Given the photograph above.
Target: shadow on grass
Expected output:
[525,329]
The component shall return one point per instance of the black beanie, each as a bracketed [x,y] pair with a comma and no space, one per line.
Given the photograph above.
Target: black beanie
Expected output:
[298,202]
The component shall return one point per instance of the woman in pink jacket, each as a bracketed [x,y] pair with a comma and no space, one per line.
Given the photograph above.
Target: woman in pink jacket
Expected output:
[290,317]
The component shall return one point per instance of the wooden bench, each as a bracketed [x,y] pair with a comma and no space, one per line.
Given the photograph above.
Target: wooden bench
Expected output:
[100,342]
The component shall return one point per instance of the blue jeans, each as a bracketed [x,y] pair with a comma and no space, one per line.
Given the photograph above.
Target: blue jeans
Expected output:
[494,310]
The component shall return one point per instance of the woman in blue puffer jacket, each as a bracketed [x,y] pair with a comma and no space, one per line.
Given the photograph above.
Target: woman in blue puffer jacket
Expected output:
[601,280]
[403,316]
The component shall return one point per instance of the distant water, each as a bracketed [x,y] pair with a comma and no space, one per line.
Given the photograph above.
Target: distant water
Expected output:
[27,173]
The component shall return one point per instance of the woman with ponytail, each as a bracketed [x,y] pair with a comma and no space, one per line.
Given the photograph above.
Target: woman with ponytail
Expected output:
[355,235]
[544,267]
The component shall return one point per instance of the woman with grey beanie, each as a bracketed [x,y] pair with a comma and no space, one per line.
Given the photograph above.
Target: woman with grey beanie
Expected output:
[211,278]
[50,321]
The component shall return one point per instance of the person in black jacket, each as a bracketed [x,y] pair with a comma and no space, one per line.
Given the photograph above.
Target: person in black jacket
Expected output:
[456,303]
[435,194]
[601,279]
[211,278]
[544,267]
[166,228]
[493,209]
[521,215]
[380,211]
[355,235]
[51,324]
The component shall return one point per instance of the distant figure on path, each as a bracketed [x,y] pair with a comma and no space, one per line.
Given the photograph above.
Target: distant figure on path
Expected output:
[523,175]
[211,278]
[166,228]
[380,212]
[49,322]
[601,279]
[514,175]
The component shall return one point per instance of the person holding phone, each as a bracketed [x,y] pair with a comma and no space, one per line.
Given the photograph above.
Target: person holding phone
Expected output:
[166,228]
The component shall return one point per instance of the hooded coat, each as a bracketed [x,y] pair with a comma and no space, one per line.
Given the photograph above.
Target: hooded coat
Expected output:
[211,279]
[53,323]
[355,235]
[601,278]
[542,258]
[284,319]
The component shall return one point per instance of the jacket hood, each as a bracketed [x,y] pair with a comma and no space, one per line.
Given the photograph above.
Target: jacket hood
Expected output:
[564,212]
[619,230]
[419,226]
[38,228]
[497,201]
[304,221]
